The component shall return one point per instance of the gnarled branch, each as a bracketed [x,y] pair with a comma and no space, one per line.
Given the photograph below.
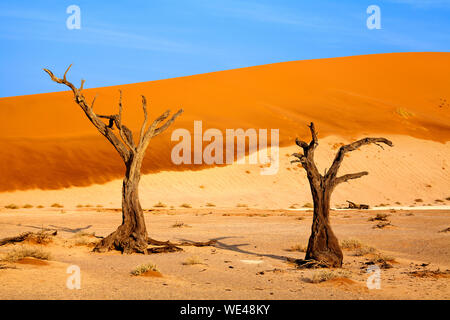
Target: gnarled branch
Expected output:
[350,176]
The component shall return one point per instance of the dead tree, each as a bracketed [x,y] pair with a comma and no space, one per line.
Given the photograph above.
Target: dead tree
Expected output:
[323,246]
[131,235]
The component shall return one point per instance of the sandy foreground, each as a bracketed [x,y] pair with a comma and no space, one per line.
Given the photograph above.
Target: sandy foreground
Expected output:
[247,262]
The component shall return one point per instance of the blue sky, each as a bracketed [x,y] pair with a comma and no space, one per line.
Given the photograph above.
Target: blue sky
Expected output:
[133,41]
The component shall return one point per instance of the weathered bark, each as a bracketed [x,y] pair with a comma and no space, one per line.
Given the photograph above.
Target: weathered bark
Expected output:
[323,245]
[131,235]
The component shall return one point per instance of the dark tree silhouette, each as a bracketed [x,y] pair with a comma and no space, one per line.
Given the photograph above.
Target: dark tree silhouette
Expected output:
[323,246]
[131,235]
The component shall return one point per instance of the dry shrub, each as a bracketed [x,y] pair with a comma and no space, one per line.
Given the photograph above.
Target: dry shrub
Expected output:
[379,217]
[209,204]
[28,206]
[159,205]
[57,205]
[325,275]
[22,252]
[185,205]
[143,268]
[364,250]
[351,244]
[179,225]
[12,206]
[308,205]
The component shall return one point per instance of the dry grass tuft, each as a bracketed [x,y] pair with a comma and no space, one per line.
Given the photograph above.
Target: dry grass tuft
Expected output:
[364,250]
[351,244]
[209,204]
[12,206]
[22,252]
[326,275]
[143,268]
[185,205]
[159,205]
[379,217]
[28,206]
[180,225]
[308,205]
[241,205]
[57,205]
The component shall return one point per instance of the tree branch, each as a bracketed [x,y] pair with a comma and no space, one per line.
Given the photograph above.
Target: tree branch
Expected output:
[350,176]
[101,127]
[332,173]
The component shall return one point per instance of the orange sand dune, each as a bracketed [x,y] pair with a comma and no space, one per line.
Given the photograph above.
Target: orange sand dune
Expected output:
[48,143]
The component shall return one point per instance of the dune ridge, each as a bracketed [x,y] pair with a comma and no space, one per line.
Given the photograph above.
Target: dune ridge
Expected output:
[47,143]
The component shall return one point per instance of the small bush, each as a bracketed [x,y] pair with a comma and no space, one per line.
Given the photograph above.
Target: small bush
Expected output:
[143,268]
[418,200]
[381,258]
[28,206]
[448,199]
[185,205]
[12,206]
[79,206]
[308,205]
[209,204]
[40,206]
[19,253]
[57,205]
[241,205]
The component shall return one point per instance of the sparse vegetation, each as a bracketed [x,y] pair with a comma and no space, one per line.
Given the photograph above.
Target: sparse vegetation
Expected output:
[402,112]
[192,261]
[209,204]
[379,217]
[143,268]
[418,200]
[57,205]
[325,275]
[364,250]
[40,206]
[381,258]
[308,205]
[28,206]
[12,206]
[159,205]
[22,252]
[179,225]
[351,244]
[185,205]
[241,205]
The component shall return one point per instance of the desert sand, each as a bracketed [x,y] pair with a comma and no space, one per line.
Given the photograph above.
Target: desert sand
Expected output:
[248,261]
[58,173]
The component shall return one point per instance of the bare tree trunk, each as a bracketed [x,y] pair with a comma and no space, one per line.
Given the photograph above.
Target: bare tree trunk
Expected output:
[131,235]
[323,246]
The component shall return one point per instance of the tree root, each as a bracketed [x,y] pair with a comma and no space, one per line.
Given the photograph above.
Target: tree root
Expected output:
[309,264]
[38,237]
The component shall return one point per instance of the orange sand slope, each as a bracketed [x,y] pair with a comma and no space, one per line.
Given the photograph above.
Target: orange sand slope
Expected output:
[48,143]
